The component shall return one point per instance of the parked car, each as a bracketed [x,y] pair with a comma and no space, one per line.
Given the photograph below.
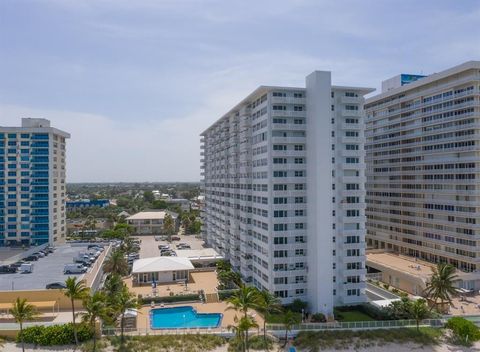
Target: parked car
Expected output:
[56,285]
[26,268]
[74,268]
[163,246]
[39,254]
[17,264]
[31,258]
[184,246]
[176,238]
[7,269]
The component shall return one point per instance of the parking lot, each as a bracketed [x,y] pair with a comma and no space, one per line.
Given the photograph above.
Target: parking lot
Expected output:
[149,247]
[46,270]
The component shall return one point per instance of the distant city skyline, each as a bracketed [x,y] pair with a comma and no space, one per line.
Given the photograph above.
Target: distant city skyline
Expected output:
[134,83]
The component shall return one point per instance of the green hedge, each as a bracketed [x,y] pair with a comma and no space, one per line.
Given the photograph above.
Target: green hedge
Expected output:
[224,294]
[55,334]
[169,299]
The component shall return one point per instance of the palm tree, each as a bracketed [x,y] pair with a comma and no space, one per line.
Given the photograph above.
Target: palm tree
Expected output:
[289,320]
[125,301]
[116,263]
[168,226]
[21,312]
[247,297]
[75,290]
[268,304]
[95,308]
[419,311]
[244,324]
[113,285]
[440,285]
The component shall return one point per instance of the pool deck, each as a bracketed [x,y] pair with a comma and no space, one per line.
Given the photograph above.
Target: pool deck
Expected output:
[143,319]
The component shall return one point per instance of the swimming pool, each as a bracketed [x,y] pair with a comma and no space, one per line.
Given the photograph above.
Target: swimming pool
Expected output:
[183,317]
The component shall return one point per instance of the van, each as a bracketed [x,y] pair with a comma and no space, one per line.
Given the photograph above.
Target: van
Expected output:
[74,269]
[26,268]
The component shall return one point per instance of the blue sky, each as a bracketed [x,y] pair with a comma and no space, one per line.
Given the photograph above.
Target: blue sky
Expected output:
[136,81]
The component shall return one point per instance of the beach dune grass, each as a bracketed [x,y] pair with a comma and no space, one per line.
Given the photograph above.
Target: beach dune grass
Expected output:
[317,340]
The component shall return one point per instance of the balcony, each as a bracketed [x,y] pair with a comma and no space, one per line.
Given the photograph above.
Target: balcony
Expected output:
[351,100]
[299,140]
[353,153]
[287,113]
[354,179]
[288,100]
[351,126]
[347,140]
[289,126]
[354,113]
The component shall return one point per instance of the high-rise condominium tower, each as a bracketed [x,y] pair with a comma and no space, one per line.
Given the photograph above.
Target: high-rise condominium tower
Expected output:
[32,183]
[423,162]
[284,191]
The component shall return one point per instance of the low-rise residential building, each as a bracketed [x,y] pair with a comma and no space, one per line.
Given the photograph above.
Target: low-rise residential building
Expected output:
[150,222]
[161,270]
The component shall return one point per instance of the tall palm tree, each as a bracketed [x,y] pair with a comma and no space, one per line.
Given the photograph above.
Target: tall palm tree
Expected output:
[125,301]
[243,325]
[75,290]
[116,263]
[247,297]
[419,311]
[440,285]
[113,285]
[169,226]
[268,304]
[289,320]
[95,308]
[21,312]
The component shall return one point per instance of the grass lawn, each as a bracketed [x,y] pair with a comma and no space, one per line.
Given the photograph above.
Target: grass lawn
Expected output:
[277,318]
[352,315]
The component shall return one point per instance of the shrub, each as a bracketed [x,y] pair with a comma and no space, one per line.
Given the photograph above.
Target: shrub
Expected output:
[386,286]
[318,318]
[297,306]
[224,294]
[55,334]
[464,331]
[169,299]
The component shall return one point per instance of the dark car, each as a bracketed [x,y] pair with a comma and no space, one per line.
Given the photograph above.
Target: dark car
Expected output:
[17,264]
[175,238]
[31,258]
[7,269]
[56,285]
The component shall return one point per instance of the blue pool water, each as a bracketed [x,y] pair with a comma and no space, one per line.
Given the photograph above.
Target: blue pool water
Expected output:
[183,317]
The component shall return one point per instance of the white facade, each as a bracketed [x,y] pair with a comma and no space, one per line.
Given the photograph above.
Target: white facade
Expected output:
[32,183]
[284,191]
[423,158]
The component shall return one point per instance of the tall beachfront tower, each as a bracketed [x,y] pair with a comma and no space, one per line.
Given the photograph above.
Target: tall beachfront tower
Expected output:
[423,162]
[32,184]
[284,185]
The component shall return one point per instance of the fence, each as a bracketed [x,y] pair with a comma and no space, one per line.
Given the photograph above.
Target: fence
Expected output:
[95,278]
[359,325]
[278,330]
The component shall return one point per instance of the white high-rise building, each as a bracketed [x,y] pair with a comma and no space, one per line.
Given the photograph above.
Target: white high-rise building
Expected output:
[32,184]
[423,168]
[284,191]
